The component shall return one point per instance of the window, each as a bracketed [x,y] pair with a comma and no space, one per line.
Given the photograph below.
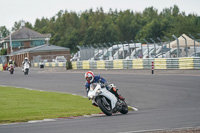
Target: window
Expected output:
[16,44]
[37,43]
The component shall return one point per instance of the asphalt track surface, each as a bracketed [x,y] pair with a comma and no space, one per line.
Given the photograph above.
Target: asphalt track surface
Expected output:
[166,100]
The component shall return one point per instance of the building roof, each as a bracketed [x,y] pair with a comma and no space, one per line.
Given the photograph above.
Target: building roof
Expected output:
[42,48]
[26,33]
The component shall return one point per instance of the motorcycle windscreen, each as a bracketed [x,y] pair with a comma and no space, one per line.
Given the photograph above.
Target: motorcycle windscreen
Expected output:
[93,86]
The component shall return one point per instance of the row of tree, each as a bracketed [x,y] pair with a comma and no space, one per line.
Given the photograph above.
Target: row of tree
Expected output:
[69,29]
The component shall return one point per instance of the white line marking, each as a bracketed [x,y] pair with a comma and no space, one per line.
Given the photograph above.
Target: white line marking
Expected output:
[97,114]
[45,120]
[87,116]
[134,108]
[153,130]
[141,131]
[8,124]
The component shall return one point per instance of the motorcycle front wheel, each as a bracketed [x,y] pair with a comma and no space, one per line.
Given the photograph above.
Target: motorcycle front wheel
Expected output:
[106,109]
[26,72]
[11,71]
[124,108]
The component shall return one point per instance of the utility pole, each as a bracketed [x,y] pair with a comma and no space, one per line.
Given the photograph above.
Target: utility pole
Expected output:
[11,49]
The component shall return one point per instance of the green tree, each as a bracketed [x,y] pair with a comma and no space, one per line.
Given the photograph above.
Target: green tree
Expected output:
[4,32]
[42,25]
[16,26]
[28,25]
[3,52]
[69,29]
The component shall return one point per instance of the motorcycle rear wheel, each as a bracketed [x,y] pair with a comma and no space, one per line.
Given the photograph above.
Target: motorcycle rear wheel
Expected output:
[104,108]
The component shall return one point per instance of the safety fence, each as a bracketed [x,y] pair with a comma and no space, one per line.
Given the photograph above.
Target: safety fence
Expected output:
[159,63]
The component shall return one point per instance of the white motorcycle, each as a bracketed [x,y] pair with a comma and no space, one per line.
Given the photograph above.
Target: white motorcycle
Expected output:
[106,101]
[26,68]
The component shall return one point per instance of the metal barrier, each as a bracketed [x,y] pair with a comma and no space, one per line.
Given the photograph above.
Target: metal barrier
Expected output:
[93,64]
[127,64]
[147,63]
[186,63]
[196,63]
[117,64]
[109,64]
[100,64]
[74,65]
[138,64]
[159,63]
[86,64]
[172,63]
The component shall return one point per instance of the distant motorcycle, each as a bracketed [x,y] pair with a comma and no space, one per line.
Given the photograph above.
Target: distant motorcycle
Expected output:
[26,68]
[11,68]
[106,101]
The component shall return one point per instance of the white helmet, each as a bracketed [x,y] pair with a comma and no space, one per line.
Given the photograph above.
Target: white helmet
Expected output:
[26,59]
[89,76]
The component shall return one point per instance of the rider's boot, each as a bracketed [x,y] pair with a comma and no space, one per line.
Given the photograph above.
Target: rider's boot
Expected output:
[114,91]
[94,104]
[121,97]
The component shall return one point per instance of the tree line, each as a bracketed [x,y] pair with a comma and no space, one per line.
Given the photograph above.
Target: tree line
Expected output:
[71,29]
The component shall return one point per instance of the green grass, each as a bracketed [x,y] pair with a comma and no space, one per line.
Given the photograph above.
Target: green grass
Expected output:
[22,105]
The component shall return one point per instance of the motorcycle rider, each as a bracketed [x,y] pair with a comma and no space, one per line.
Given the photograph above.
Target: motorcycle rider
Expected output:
[91,78]
[25,60]
[11,62]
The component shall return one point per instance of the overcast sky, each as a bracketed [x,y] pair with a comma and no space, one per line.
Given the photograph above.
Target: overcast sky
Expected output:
[28,10]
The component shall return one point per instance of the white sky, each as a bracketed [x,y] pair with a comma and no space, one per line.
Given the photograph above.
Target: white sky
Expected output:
[28,10]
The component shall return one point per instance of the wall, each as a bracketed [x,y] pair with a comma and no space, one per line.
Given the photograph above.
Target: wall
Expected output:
[20,57]
[50,64]
[53,53]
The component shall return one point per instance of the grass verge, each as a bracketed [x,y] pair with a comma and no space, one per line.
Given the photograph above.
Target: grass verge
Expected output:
[22,105]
